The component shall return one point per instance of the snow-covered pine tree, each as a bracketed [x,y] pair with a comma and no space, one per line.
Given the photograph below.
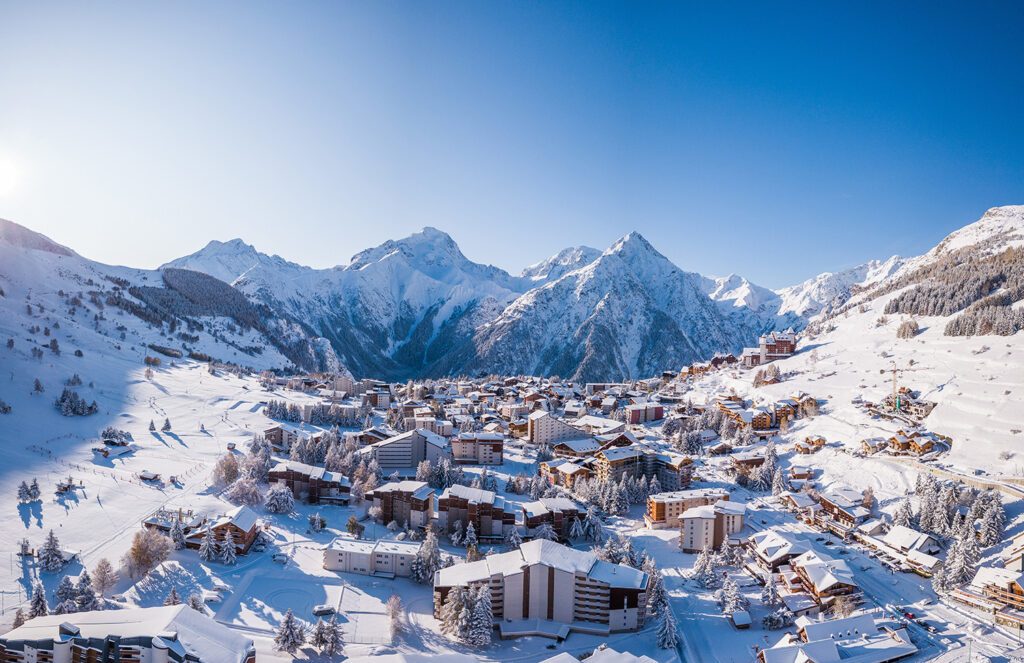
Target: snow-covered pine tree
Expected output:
[85,595]
[227,553]
[333,640]
[195,601]
[455,536]
[172,598]
[779,482]
[453,611]
[23,495]
[655,487]
[577,530]
[290,634]
[19,618]
[668,634]
[65,590]
[167,426]
[279,500]
[481,619]
[177,535]
[470,538]
[545,531]
[152,426]
[319,635]
[513,539]
[208,546]
[657,597]
[37,606]
[770,593]
[33,489]
[730,598]
[904,515]
[51,558]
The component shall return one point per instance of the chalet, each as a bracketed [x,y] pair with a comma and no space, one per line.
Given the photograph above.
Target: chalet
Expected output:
[485,509]
[799,473]
[478,448]
[281,437]
[823,577]
[565,472]
[408,503]
[559,512]
[311,483]
[872,445]
[761,419]
[241,522]
[842,509]
[575,409]
[905,539]
[599,425]
[578,448]
[772,549]
[745,461]
[372,435]
[664,509]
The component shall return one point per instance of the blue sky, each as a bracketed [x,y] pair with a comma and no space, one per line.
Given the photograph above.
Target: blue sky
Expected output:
[774,140]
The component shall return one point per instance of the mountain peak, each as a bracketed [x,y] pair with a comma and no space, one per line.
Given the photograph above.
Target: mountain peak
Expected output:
[563,262]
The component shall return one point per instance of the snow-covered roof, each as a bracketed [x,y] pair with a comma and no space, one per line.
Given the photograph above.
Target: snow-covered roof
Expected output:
[772,545]
[844,628]
[905,538]
[548,553]
[200,636]
[419,489]
[692,493]
[824,572]
[992,575]
[478,495]
[581,446]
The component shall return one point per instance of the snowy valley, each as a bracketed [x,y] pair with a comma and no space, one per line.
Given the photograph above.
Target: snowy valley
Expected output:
[417,457]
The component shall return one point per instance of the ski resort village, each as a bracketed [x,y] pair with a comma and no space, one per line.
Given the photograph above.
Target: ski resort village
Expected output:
[416,458]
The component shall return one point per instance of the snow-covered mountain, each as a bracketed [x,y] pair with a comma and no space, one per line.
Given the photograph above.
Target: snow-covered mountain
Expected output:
[560,264]
[109,309]
[831,290]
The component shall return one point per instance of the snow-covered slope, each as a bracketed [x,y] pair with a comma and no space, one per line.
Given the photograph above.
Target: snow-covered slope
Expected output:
[113,310]
[833,289]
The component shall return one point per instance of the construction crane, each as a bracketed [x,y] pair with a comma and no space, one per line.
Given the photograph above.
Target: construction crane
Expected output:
[895,370]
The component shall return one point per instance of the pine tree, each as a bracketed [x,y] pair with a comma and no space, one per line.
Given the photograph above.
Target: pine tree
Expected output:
[177,535]
[172,598]
[655,487]
[65,590]
[513,538]
[904,515]
[657,597]
[730,598]
[195,601]
[152,426]
[208,546]
[770,593]
[452,608]
[33,490]
[167,426]
[19,618]
[482,618]
[85,595]
[779,482]
[577,530]
[23,494]
[668,634]
[546,531]
[37,606]
[333,640]
[228,554]
[51,558]
[427,560]
[279,500]
[290,634]
[470,538]
[319,636]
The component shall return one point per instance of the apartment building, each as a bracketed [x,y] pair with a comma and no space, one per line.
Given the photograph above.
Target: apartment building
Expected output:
[672,470]
[485,509]
[407,450]
[311,483]
[544,580]
[559,512]
[544,429]
[387,559]
[478,448]
[408,503]
[710,525]
[664,509]
[167,634]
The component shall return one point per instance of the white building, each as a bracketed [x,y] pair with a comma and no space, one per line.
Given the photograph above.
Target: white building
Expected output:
[543,581]
[709,525]
[407,450]
[543,428]
[169,634]
[377,558]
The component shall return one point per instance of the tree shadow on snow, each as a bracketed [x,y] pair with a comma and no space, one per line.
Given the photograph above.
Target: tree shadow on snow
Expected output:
[29,511]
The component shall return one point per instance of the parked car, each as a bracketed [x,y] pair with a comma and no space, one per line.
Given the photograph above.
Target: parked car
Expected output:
[280,558]
[322,609]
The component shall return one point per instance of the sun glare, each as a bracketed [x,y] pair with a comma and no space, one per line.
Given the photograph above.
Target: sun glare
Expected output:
[8,176]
